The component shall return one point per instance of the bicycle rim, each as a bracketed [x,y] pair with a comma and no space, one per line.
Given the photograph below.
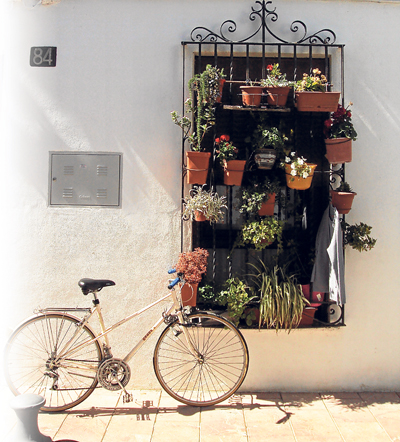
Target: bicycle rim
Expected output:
[213,371]
[34,361]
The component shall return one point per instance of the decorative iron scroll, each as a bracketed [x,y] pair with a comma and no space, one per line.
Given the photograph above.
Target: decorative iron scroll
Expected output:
[266,15]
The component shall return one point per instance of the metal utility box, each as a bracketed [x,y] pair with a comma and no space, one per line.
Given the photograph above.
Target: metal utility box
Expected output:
[85,179]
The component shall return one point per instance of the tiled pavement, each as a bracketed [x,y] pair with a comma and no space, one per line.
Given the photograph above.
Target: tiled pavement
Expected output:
[255,417]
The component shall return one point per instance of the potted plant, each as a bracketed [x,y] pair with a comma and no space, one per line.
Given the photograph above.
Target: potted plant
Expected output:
[269,143]
[259,198]
[202,205]
[276,86]
[282,301]
[252,94]
[339,133]
[204,89]
[191,266]
[237,296]
[342,198]
[227,153]
[358,236]
[260,234]
[299,173]
[312,94]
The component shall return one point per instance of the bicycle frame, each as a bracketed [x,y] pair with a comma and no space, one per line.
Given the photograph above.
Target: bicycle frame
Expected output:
[69,349]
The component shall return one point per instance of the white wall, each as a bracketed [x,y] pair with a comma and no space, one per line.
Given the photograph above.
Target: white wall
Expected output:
[118,76]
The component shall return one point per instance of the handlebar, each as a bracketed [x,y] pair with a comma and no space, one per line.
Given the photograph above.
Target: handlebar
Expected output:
[174,282]
[170,271]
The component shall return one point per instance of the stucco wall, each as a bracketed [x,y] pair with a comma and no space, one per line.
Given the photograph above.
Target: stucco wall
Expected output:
[118,76]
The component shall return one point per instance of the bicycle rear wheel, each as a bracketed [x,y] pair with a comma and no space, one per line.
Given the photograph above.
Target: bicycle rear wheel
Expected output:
[207,370]
[42,358]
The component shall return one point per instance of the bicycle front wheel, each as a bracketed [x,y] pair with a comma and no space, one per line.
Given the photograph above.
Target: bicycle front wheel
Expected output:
[42,357]
[201,362]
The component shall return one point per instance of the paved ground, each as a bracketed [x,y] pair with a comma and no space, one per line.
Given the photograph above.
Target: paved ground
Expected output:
[257,417]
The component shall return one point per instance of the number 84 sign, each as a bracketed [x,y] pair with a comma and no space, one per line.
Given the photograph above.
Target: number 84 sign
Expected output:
[43,56]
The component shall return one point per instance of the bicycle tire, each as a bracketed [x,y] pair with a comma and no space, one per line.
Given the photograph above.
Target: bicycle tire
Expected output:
[217,371]
[34,363]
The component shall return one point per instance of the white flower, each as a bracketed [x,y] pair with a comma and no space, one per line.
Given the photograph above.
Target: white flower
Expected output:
[300,161]
[293,165]
[287,160]
[293,172]
[305,175]
[292,154]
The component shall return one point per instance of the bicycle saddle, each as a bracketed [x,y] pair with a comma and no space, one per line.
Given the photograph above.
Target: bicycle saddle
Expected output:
[94,285]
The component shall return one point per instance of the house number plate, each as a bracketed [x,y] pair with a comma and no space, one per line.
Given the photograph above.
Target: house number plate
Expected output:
[43,56]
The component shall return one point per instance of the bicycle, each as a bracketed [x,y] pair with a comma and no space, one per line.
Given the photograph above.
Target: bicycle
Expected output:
[200,358]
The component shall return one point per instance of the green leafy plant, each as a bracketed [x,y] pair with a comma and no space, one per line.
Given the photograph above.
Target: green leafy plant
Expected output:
[269,137]
[208,202]
[192,265]
[344,187]
[281,298]
[358,236]
[260,234]
[298,166]
[225,150]
[237,295]
[204,92]
[252,197]
[312,83]
[275,77]
[339,125]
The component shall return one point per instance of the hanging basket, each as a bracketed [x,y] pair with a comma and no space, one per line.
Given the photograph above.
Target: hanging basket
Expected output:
[342,201]
[317,101]
[265,158]
[251,95]
[296,182]
[199,216]
[338,150]
[233,172]
[268,207]
[197,167]
[277,95]
[189,294]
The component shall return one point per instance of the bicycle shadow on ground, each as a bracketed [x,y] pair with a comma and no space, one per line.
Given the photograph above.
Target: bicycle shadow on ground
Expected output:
[147,410]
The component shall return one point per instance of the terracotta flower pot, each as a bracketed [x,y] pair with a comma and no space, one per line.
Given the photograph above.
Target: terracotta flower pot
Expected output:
[251,95]
[342,201]
[221,88]
[307,318]
[268,207]
[317,101]
[277,95]
[189,294]
[338,150]
[233,172]
[265,158]
[197,167]
[199,216]
[296,182]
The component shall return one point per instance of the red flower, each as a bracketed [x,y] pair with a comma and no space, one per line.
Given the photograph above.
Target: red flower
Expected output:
[225,138]
[217,140]
[270,67]
[328,123]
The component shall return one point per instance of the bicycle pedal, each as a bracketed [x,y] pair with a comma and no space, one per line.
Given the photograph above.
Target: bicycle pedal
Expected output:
[127,397]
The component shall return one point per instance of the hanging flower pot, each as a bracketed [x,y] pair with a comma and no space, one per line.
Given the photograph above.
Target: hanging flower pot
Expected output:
[189,294]
[277,95]
[338,150]
[265,158]
[317,101]
[233,172]
[298,182]
[251,95]
[268,207]
[221,88]
[342,201]
[199,216]
[197,167]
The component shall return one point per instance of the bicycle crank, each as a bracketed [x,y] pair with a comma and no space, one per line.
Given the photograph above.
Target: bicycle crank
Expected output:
[114,374]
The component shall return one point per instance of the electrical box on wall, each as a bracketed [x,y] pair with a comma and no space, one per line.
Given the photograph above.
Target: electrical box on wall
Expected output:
[85,179]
